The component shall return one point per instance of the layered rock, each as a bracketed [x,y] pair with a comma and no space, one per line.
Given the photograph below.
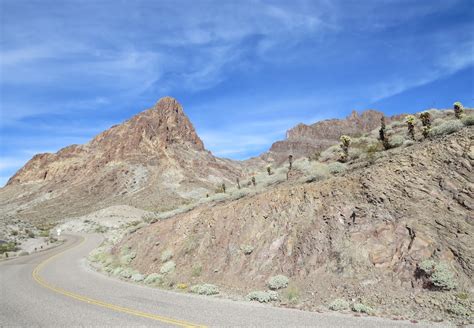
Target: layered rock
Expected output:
[305,140]
[154,160]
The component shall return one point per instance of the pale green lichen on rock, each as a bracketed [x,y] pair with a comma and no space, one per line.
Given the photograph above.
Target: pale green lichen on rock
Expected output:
[339,304]
[205,289]
[278,282]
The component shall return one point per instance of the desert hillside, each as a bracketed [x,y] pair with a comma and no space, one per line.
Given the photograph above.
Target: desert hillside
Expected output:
[364,230]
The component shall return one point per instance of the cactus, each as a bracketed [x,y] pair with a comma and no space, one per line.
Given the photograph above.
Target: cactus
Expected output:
[382,136]
[410,120]
[238,183]
[223,187]
[290,160]
[269,170]
[345,143]
[254,182]
[458,109]
[425,118]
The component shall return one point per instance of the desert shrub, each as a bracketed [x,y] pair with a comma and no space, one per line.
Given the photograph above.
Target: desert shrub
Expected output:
[438,275]
[153,278]
[101,229]
[137,277]
[468,120]
[166,255]
[339,305]
[396,141]
[459,310]
[128,258]
[30,233]
[182,286]
[168,267]
[205,289]
[117,271]
[330,153]
[23,253]
[197,270]
[292,294]
[127,273]
[447,127]
[408,143]
[14,233]
[355,153]
[8,247]
[362,308]
[278,282]
[262,296]
[335,167]
[44,233]
[247,249]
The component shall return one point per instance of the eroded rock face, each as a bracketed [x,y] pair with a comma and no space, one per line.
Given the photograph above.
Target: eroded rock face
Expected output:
[361,234]
[151,161]
[305,140]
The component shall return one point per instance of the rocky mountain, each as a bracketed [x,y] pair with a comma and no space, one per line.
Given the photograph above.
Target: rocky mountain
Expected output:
[358,236]
[306,140]
[155,161]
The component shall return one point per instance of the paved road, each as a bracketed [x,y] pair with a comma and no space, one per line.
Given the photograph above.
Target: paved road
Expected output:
[55,288]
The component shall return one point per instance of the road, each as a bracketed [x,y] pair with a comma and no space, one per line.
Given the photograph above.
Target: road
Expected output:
[55,288]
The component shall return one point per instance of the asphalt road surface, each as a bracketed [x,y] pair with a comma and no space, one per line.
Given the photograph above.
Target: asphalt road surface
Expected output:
[55,288]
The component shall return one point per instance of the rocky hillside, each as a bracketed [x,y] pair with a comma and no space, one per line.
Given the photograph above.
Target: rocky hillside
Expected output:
[306,140]
[155,160]
[357,236]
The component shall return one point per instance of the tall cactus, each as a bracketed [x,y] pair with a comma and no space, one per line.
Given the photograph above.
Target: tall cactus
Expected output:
[345,143]
[290,160]
[425,118]
[410,120]
[458,109]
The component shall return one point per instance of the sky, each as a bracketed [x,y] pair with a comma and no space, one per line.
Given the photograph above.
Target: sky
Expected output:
[244,71]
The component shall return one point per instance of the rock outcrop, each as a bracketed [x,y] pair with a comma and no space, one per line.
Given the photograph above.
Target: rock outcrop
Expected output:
[306,140]
[154,161]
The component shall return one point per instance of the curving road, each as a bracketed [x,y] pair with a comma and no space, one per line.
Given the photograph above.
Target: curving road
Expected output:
[56,288]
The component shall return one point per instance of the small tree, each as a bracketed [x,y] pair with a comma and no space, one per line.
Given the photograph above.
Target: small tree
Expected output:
[458,109]
[425,118]
[223,187]
[254,182]
[410,120]
[269,170]
[345,143]
[290,160]
[238,183]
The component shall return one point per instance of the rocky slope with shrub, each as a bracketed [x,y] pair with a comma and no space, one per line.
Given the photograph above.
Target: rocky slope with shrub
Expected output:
[388,232]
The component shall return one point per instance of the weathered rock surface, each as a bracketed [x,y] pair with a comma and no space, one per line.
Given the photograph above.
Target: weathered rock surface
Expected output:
[155,160]
[359,235]
[305,140]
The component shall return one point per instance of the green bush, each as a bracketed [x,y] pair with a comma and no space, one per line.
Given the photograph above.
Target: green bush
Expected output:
[153,278]
[262,296]
[8,247]
[468,120]
[447,127]
[247,249]
[205,289]
[397,141]
[459,310]
[362,308]
[292,294]
[339,305]
[278,282]
[168,267]
[438,275]
[336,167]
[128,258]
[166,255]
[197,270]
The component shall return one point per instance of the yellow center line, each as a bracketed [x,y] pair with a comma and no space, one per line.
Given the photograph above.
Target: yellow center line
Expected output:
[88,300]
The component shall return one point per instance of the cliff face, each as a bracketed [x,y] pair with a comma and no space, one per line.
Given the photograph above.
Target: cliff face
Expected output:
[153,160]
[359,235]
[305,140]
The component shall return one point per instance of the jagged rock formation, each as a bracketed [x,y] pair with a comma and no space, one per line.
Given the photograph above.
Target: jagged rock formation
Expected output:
[359,235]
[305,140]
[155,160]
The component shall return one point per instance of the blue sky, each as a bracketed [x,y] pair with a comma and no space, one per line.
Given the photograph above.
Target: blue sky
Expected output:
[245,71]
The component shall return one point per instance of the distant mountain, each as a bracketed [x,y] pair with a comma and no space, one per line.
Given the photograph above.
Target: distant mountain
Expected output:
[155,160]
[305,140]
